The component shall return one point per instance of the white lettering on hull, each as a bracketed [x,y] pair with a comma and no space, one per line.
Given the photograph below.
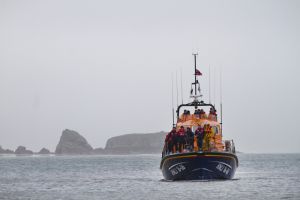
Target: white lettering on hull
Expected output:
[177,169]
[223,168]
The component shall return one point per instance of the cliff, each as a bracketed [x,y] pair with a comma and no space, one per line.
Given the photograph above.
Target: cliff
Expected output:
[136,143]
[72,142]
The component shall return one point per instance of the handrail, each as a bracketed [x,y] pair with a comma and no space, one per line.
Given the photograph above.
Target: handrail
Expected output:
[229,147]
[193,104]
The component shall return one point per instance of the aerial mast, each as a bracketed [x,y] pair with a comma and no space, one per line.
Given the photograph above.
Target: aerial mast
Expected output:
[173,101]
[195,58]
[221,101]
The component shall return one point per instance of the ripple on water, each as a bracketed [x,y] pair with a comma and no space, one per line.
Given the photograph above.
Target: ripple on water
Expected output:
[138,177]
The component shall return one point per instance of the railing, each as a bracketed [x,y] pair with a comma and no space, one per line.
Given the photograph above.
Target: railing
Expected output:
[228,147]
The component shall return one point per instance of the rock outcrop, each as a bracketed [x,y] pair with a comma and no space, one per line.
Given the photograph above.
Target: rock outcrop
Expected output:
[44,151]
[22,150]
[6,151]
[136,143]
[72,142]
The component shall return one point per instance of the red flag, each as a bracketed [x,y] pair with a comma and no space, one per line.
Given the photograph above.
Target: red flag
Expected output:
[198,73]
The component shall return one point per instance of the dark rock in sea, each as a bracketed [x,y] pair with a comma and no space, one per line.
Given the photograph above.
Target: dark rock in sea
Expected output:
[98,151]
[72,142]
[6,151]
[136,143]
[22,150]
[44,151]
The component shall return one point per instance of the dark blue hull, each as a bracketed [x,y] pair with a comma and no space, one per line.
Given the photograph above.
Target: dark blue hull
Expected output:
[199,166]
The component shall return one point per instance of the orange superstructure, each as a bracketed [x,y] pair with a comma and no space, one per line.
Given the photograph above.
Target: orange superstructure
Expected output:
[213,136]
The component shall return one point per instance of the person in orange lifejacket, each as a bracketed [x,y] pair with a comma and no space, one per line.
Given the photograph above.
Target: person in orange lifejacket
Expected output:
[202,114]
[199,133]
[170,137]
[213,113]
[181,138]
[207,136]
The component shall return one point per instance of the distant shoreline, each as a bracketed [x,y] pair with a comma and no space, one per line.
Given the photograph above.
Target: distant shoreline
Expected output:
[74,144]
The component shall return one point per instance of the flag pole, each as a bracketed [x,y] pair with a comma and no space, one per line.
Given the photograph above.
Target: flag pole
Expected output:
[195,54]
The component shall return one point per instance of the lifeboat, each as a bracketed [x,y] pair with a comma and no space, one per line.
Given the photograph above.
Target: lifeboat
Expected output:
[204,157]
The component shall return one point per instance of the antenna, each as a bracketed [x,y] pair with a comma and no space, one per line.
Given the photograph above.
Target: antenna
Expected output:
[173,100]
[221,109]
[181,85]
[214,74]
[209,84]
[176,90]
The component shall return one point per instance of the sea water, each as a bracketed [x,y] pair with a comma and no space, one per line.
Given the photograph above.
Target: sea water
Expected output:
[259,176]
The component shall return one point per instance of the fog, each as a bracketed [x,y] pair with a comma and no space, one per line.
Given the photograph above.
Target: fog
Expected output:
[103,68]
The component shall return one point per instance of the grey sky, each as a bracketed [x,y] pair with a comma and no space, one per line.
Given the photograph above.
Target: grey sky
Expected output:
[103,68]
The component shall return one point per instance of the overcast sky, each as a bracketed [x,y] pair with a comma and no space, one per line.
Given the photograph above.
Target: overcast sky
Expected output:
[103,68]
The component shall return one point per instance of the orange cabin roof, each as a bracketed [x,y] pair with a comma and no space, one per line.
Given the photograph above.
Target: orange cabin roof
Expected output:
[193,120]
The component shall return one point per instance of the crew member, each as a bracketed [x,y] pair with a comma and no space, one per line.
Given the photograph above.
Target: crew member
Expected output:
[202,114]
[213,114]
[181,138]
[199,135]
[208,137]
[170,140]
[190,138]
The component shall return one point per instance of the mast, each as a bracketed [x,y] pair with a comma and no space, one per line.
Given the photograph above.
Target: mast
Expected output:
[173,101]
[221,101]
[196,83]
[214,76]
[209,99]
[176,90]
[181,86]
[195,55]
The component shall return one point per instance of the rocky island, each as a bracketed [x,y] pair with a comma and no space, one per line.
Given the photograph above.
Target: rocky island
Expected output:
[44,151]
[6,151]
[136,143]
[23,150]
[72,143]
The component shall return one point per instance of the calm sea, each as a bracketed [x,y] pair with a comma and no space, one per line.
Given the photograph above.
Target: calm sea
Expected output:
[259,176]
